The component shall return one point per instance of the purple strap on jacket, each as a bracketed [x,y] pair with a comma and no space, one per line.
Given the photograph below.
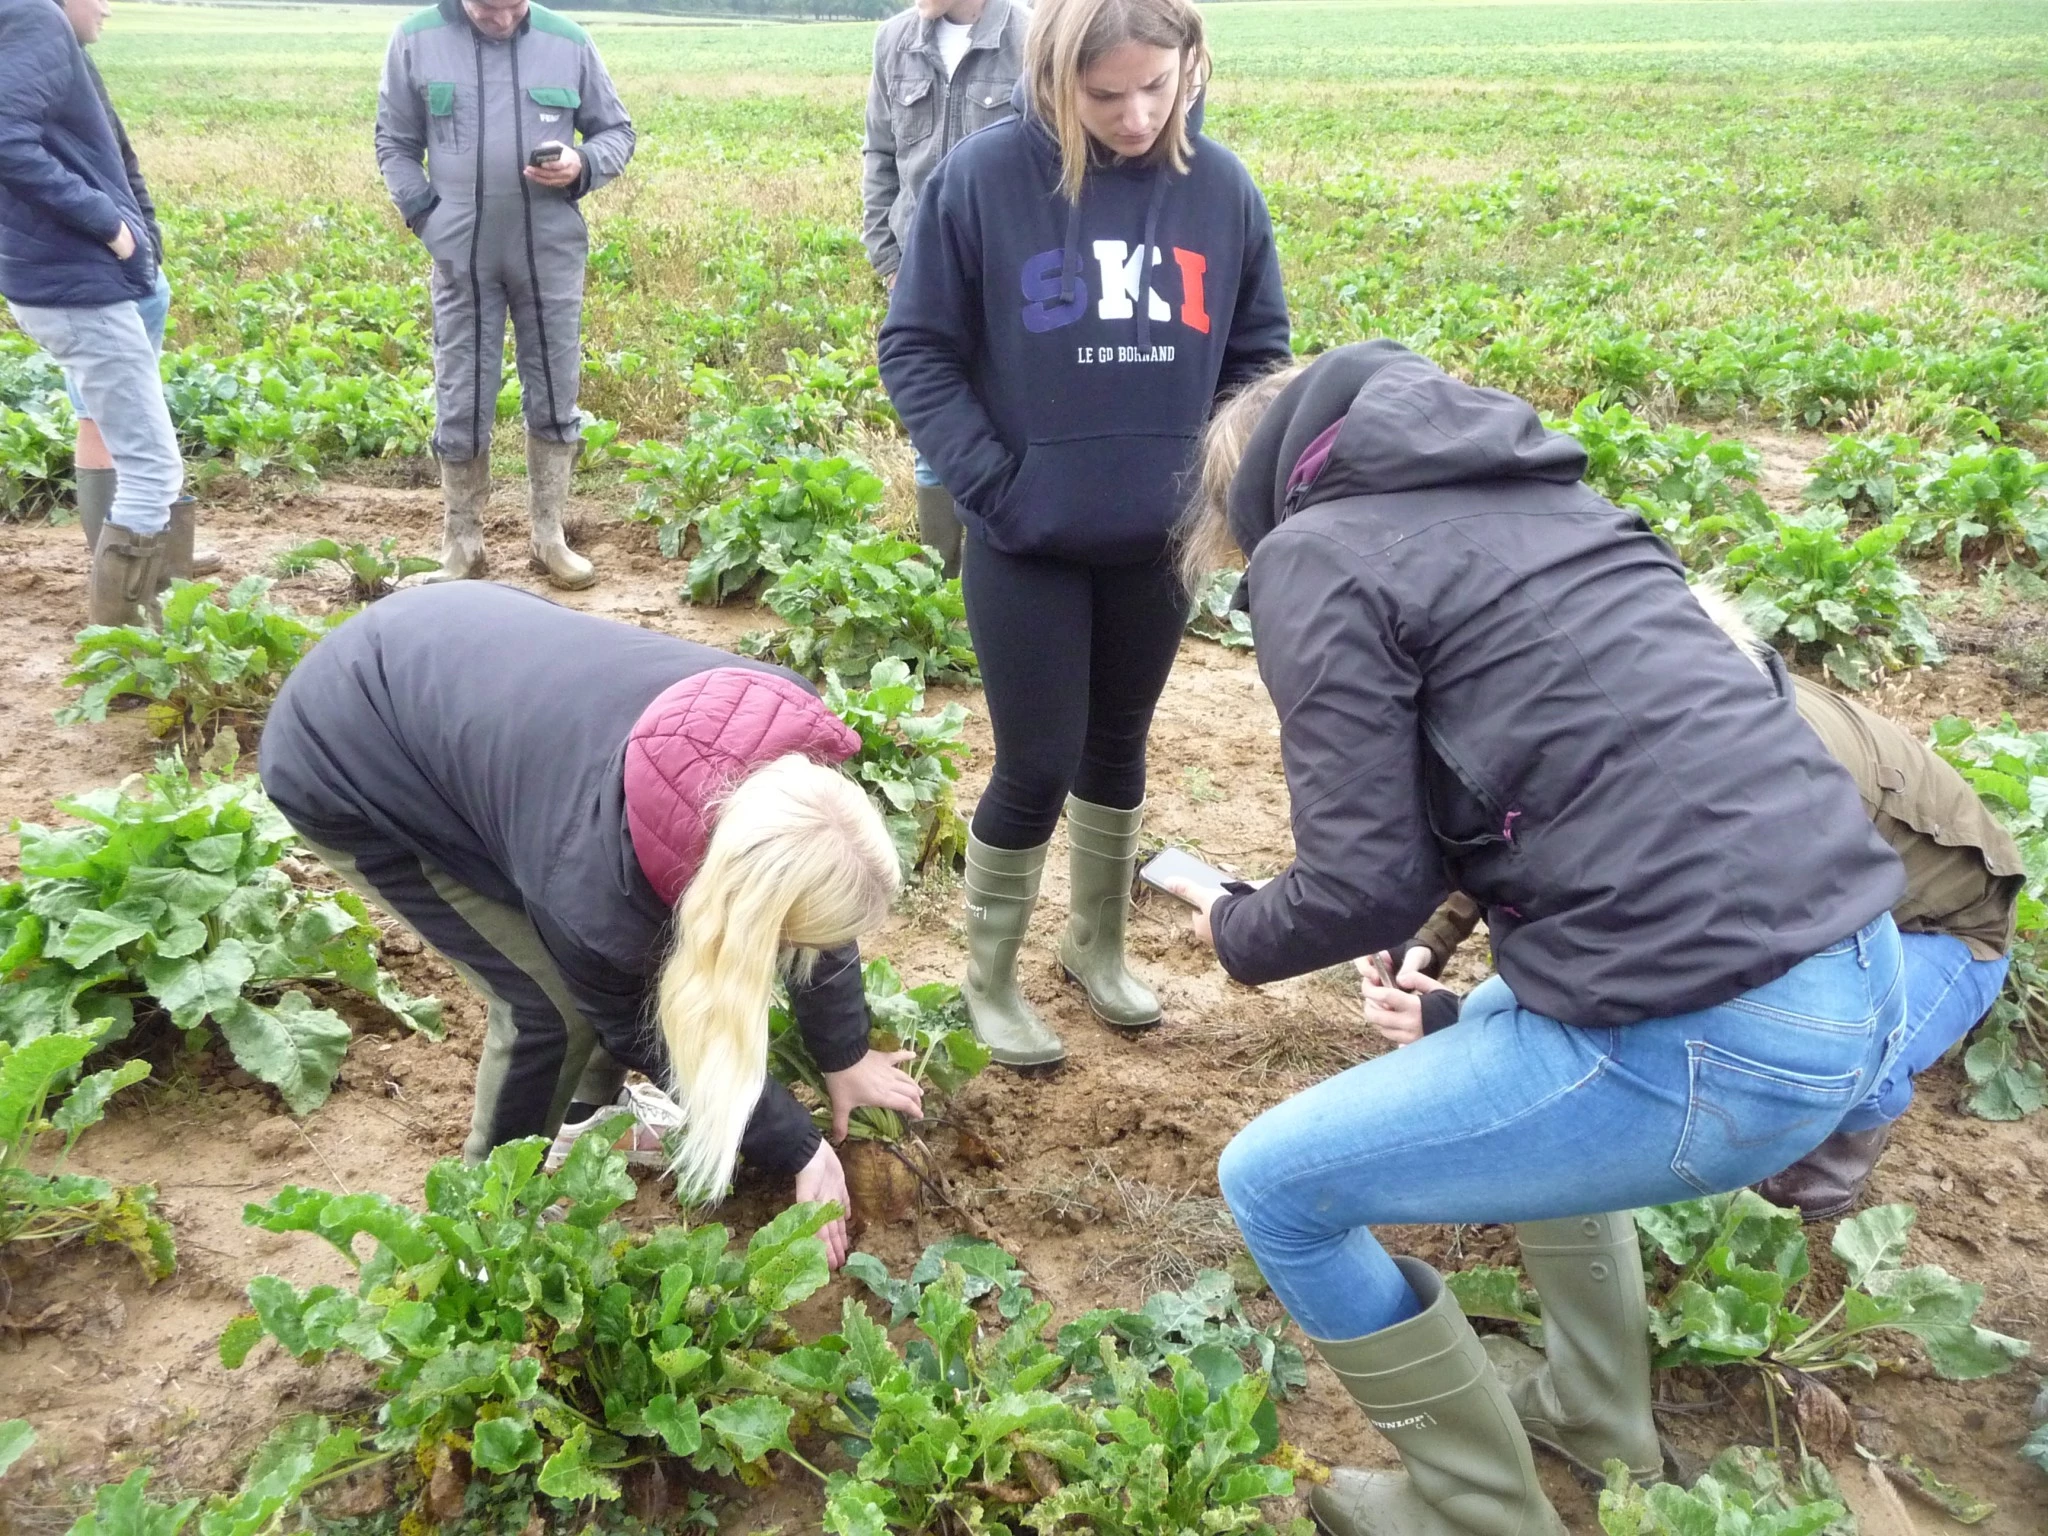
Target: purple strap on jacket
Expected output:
[1313,458]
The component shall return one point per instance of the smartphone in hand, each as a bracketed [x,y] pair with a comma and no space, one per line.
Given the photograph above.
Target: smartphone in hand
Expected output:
[544,154]
[1175,869]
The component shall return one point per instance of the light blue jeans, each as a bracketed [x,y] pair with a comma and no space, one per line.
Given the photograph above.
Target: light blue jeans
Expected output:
[1948,990]
[108,358]
[1513,1116]
[156,318]
[921,472]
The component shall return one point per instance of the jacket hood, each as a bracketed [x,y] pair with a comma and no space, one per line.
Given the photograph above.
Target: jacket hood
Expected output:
[1375,418]
[1020,98]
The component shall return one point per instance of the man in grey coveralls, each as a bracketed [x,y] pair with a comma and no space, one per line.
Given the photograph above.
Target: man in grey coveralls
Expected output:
[474,88]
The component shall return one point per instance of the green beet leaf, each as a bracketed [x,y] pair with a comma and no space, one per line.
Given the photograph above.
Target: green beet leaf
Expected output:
[505,1444]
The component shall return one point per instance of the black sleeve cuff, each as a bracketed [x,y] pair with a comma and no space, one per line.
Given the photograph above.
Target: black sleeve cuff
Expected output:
[780,1137]
[1440,1010]
[418,216]
[831,1009]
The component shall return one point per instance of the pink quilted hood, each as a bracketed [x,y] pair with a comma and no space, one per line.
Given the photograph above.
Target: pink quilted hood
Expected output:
[700,737]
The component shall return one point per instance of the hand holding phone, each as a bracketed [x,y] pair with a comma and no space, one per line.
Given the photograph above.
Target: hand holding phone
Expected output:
[545,154]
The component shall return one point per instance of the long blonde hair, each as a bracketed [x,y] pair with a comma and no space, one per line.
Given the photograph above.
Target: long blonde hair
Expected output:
[1069,37]
[1204,540]
[799,860]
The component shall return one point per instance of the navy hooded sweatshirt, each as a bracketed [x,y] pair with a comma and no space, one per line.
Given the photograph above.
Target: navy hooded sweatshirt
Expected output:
[1056,379]
[64,191]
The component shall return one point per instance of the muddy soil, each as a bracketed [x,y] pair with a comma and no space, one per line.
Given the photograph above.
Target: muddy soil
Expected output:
[1102,1178]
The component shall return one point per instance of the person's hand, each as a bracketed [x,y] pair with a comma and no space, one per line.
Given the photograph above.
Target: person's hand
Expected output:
[1201,900]
[876,1080]
[1394,1010]
[561,173]
[123,244]
[1415,970]
[822,1178]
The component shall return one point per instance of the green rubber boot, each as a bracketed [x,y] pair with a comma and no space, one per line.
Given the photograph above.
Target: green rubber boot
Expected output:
[127,570]
[1426,1386]
[1103,848]
[1002,888]
[1586,1394]
[95,501]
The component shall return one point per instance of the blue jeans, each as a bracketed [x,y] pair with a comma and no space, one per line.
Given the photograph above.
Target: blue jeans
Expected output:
[1948,990]
[109,360]
[1512,1116]
[156,316]
[922,472]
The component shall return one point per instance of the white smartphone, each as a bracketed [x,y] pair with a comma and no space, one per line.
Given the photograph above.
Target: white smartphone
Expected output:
[1176,865]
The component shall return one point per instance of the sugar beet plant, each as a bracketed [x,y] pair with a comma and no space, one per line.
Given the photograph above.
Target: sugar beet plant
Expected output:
[516,1315]
[859,603]
[370,573]
[1212,617]
[211,657]
[908,761]
[169,902]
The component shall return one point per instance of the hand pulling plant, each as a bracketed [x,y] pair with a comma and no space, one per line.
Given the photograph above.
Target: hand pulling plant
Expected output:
[516,1319]
[52,1205]
[371,573]
[908,761]
[170,898]
[209,658]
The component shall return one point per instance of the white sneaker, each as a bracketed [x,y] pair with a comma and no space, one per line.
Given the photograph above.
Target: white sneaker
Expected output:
[656,1117]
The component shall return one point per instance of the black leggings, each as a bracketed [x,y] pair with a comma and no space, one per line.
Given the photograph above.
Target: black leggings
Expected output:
[1073,660]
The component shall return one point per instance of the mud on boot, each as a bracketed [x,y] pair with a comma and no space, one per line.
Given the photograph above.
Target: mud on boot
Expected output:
[1001,889]
[465,492]
[1102,845]
[127,573]
[548,467]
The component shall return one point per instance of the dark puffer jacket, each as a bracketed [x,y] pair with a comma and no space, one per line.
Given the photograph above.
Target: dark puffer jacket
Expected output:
[1489,679]
[562,765]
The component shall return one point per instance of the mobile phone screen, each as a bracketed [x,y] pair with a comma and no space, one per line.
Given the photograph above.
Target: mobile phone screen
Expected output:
[1175,865]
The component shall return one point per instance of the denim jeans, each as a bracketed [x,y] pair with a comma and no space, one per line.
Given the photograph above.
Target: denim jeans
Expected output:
[1948,990]
[922,472]
[156,315]
[106,354]
[1512,1116]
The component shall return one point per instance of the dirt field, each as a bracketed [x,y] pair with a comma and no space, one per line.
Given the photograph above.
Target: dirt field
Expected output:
[1102,1178]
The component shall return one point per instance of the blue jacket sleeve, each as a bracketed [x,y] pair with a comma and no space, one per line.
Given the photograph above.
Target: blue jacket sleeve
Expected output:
[36,68]
[929,342]
[1366,868]
[1259,338]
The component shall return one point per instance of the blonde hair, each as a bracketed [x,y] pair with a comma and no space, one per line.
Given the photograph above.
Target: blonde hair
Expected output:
[799,861]
[1070,37]
[1729,620]
[1204,540]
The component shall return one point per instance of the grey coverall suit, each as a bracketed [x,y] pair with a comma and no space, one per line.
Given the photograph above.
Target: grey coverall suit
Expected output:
[473,108]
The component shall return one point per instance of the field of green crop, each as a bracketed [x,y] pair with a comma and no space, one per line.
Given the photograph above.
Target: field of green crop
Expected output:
[1781,265]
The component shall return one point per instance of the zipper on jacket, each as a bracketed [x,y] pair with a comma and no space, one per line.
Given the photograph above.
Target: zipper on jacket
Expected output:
[540,325]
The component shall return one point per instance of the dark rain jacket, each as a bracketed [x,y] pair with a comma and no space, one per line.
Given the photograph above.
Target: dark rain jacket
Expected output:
[64,191]
[482,731]
[1489,679]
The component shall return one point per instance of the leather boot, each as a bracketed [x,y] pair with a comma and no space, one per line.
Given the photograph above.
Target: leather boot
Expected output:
[1829,1180]
[1002,888]
[1102,845]
[938,525]
[182,562]
[465,490]
[127,569]
[1425,1385]
[95,499]
[1586,1394]
[548,465]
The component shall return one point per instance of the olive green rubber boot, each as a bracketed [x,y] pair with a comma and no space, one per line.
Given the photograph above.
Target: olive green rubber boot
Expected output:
[938,525]
[1586,1394]
[182,560]
[127,573]
[95,500]
[1425,1384]
[465,491]
[548,466]
[1102,845]
[1002,888]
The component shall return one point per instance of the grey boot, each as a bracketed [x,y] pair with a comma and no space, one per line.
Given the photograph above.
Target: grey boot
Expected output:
[465,490]
[938,524]
[95,500]
[1586,1394]
[1002,888]
[1426,1386]
[127,569]
[181,561]
[548,465]
[1103,848]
